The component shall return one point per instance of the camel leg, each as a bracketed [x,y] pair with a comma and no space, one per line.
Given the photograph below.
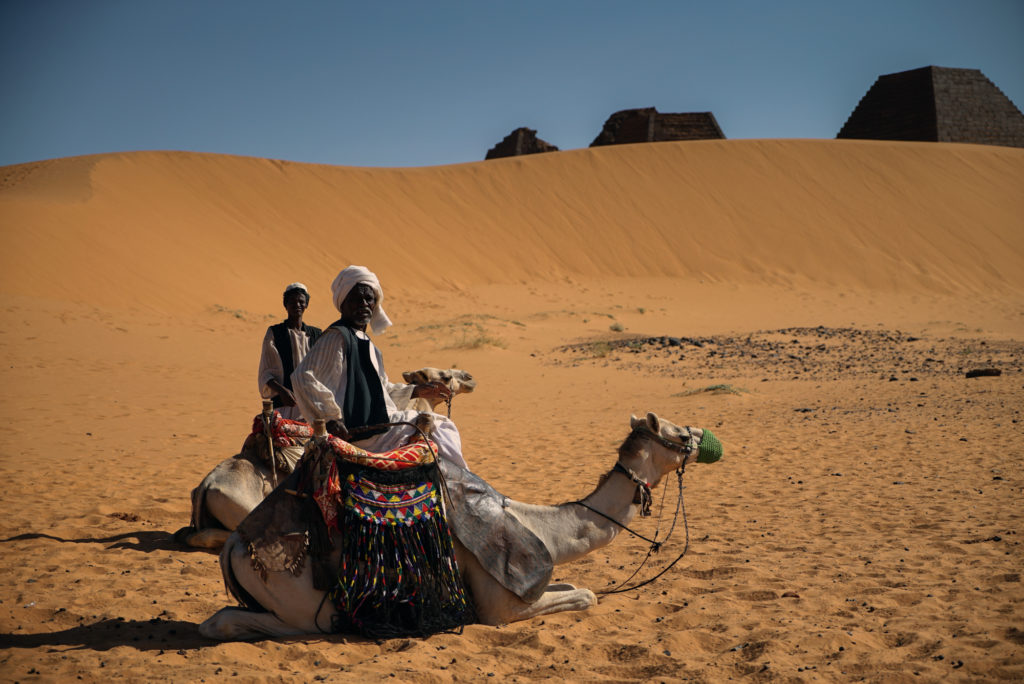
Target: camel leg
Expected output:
[214,504]
[221,502]
[239,624]
[496,605]
[293,605]
[231,506]
[555,600]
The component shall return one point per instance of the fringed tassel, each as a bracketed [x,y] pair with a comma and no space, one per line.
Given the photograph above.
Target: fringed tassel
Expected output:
[399,579]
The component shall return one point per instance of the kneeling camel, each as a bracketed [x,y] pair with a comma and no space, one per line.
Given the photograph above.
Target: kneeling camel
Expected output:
[291,605]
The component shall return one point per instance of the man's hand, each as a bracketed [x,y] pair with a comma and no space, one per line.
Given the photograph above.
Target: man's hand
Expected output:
[433,392]
[338,429]
[287,398]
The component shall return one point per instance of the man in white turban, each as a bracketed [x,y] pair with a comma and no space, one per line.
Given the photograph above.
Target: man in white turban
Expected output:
[342,378]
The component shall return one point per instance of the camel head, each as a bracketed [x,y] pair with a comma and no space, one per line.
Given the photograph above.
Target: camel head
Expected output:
[458,381]
[656,447]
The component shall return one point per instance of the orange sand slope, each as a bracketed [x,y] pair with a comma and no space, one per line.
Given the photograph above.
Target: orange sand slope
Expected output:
[165,230]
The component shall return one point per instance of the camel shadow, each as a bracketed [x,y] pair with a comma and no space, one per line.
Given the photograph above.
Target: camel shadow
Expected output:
[144,541]
[157,635]
[145,635]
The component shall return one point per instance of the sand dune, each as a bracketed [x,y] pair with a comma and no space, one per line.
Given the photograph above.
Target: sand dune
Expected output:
[827,296]
[179,227]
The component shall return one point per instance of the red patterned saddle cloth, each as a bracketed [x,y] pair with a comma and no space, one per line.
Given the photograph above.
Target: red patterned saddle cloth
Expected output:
[286,432]
[412,454]
[283,432]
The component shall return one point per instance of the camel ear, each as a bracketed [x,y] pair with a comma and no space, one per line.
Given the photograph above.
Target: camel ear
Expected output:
[633,421]
[654,423]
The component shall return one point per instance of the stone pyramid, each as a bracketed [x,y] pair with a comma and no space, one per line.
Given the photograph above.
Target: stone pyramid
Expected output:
[936,104]
[518,142]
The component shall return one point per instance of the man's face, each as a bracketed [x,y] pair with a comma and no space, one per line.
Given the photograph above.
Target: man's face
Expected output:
[357,309]
[295,303]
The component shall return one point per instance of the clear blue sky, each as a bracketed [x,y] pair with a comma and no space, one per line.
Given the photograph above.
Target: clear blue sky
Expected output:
[417,83]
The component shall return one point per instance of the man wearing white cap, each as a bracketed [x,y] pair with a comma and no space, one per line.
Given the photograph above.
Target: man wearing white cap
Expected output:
[342,378]
[284,346]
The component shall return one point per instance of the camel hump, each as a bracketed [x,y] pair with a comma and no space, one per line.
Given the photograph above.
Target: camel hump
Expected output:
[509,551]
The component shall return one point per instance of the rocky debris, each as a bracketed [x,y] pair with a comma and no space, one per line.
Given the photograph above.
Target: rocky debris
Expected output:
[983,373]
[519,142]
[819,353]
[650,125]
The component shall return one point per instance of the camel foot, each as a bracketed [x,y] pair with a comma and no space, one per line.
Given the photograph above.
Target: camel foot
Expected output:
[556,598]
[561,587]
[239,624]
[210,538]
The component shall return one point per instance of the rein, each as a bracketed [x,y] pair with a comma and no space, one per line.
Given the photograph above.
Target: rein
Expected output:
[643,498]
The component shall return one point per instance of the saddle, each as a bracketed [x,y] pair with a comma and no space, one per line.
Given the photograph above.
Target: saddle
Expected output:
[288,438]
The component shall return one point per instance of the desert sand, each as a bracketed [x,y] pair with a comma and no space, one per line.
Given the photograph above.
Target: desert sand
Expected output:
[816,304]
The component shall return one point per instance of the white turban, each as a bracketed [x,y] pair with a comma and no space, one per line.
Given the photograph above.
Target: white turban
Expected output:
[297,286]
[358,275]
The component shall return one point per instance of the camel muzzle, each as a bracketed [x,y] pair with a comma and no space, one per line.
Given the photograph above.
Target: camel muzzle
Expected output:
[710,448]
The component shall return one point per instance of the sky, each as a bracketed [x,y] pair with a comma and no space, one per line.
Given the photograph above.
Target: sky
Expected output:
[418,83]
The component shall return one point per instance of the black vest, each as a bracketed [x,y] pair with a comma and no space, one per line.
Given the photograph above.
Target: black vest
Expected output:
[363,403]
[283,342]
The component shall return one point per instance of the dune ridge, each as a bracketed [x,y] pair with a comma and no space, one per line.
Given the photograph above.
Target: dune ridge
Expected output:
[883,216]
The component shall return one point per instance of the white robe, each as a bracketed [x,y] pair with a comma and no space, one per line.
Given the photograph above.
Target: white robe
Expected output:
[272,368]
[319,383]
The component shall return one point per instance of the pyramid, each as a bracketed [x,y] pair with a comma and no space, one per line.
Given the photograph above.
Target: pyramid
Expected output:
[518,142]
[936,104]
[649,125]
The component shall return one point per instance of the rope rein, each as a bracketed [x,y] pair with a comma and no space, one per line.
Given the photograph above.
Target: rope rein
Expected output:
[644,496]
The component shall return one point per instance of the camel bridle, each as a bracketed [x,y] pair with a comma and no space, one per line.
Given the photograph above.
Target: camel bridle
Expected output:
[643,497]
[451,395]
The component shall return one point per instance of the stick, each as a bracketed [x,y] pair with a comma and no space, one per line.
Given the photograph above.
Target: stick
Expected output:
[268,412]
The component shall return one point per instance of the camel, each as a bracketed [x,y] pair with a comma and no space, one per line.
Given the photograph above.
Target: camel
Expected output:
[458,381]
[283,602]
[238,484]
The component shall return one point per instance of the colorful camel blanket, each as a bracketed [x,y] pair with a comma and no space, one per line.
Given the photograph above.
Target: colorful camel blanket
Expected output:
[397,575]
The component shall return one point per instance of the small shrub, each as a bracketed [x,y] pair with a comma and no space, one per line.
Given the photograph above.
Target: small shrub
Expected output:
[711,389]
